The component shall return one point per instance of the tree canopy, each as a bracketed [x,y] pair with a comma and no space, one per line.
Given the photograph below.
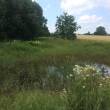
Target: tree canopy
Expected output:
[21,19]
[100,31]
[66,26]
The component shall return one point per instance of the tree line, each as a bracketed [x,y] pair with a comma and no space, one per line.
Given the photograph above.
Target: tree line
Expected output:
[100,30]
[24,20]
[21,19]
[66,27]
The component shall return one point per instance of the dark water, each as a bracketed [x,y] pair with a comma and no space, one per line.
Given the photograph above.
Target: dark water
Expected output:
[104,68]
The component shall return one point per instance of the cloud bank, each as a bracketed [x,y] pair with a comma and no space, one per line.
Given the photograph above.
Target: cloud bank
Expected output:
[89,19]
[86,12]
[79,6]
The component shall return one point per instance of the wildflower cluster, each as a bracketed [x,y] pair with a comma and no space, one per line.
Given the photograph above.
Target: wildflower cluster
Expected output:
[84,73]
[35,43]
[86,70]
[90,75]
[88,88]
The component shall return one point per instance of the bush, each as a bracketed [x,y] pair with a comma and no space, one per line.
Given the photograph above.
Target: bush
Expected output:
[88,89]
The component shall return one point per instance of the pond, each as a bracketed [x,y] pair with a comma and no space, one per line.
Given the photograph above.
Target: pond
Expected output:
[104,69]
[61,70]
[56,77]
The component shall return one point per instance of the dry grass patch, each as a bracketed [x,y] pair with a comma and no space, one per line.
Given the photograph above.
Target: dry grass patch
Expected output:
[94,37]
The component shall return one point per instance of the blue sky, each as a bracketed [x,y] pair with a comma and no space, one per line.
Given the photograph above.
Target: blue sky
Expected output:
[88,13]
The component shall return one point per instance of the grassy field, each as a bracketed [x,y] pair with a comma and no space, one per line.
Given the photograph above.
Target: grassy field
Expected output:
[46,49]
[23,62]
[24,69]
[33,100]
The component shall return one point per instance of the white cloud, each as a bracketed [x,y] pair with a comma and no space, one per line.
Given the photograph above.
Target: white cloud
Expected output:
[89,19]
[79,6]
[108,3]
[83,9]
[89,23]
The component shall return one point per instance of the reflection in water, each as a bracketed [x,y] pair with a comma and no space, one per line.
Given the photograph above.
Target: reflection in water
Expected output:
[60,71]
[104,68]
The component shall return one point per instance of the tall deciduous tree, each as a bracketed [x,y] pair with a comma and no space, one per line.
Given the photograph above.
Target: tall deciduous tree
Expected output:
[21,19]
[100,31]
[66,26]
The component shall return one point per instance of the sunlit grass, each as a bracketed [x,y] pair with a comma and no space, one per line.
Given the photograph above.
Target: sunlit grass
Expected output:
[79,49]
[94,38]
[33,100]
[23,65]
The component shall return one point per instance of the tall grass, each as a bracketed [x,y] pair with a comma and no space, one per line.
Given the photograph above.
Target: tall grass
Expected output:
[25,66]
[33,100]
[88,89]
[79,49]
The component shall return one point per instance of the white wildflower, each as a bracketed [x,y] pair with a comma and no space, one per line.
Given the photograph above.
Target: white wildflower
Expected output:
[84,78]
[83,87]
[64,90]
[103,78]
[37,42]
[87,75]
[100,84]
[71,75]
[67,77]
[107,77]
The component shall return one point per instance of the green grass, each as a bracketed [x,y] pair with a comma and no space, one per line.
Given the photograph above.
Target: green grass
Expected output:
[79,49]
[33,100]
[88,89]
[24,65]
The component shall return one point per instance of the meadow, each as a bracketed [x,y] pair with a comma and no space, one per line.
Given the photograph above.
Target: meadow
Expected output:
[95,37]
[26,82]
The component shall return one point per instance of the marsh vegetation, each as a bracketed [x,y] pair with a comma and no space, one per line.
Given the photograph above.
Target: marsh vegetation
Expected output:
[33,74]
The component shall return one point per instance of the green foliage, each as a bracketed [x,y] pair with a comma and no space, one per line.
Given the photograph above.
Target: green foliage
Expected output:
[26,64]
[88,89]
[21,19]
[100,31]
[33,100]
[66,26]
[26,67]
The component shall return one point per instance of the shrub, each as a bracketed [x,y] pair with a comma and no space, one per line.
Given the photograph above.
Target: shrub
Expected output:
[88,89]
